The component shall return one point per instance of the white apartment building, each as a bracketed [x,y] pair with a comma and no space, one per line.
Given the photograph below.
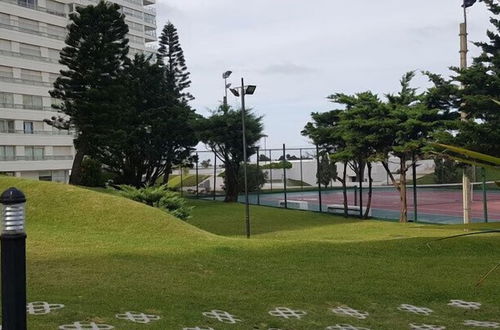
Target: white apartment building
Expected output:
[32,33]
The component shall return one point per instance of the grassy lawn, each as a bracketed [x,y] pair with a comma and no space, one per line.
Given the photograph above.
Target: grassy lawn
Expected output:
[100,254]
[187,180]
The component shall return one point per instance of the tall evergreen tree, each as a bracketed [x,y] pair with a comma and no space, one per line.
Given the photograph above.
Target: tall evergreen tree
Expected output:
[473,91]
[221,132]
[88,87]
[171,56]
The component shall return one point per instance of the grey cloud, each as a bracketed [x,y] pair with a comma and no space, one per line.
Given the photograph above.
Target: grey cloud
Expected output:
[288,69]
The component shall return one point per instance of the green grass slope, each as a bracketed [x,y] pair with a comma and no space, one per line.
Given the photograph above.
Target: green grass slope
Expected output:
[100,255]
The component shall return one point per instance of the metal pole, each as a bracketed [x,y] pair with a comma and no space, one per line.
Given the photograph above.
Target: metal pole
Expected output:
[271,169]
[13,244]
[197,190]
[284,176]
[319,182]
[355,195]
[182,187]
[466,184]
[301,172]
[247,206]
[215,175]
[415,206]
[225,92]
[258,176]
[361,175]
[485,195]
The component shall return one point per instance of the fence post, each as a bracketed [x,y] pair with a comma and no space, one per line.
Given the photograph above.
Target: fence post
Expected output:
[215,175]
[485,195]
[13,244]
[258,175]
[271,169]
[317,178]
[301,173]
[197,183]
[415,201]
[284,175]
[355,195]
[182,184]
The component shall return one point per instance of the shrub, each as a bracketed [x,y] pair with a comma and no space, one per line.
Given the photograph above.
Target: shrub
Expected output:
[92,174]
[276,166]
[160,197]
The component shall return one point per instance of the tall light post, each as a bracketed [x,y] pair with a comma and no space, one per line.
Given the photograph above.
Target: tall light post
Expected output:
[466,184]
[242,91]
[226,75]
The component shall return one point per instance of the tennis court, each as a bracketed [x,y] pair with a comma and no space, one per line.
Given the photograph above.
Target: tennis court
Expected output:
[435,203]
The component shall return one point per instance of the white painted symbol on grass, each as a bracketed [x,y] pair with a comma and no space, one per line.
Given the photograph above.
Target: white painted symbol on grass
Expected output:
[464,304]
[415,309]
[86,326]
[344,327]
[198,328]
[287,313]
[426,327]
[482,324]
[348,311]
[137,317]
[42,307]
[221,316]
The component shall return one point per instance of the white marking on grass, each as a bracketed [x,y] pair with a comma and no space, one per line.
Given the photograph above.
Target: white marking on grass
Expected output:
[221,316]
[198,328]
[344,327]
[415,309]
[348,311]
[464,304]
[86,326]
[287,313]
[426,327]
[482,324]
[137,317]
[42,307]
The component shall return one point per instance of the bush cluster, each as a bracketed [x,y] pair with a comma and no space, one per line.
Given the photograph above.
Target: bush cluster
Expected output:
[160,197]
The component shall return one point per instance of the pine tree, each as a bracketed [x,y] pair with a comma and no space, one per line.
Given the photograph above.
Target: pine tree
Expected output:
[88,87]
[171,56]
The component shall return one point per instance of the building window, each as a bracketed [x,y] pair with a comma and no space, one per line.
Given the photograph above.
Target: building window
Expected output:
[45,176]
[34,153]
[6,71]
[56,30]
[31,75]
[27,3]
[4,19]
[29,24]
[55,7]
[32,102]
[6,100]
[30,50]
[5,45]
[7,126]
[54,54]
[7,153]
[28,127]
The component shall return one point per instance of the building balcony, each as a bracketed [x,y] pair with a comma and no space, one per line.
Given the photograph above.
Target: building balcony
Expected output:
[26,107]
[45,133]
[32,32]
[148,2]
[29,57]
[26,81]
[28,5]
[33,158]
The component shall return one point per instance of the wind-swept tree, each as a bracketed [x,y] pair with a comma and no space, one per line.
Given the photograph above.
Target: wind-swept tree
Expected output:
[89,86]
[222,133]
[171,56]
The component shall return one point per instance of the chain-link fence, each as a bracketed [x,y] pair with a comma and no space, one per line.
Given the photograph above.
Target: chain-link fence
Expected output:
[305,179]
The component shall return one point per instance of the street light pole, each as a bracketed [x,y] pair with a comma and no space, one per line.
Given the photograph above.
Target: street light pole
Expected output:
[466,184]
[247,206]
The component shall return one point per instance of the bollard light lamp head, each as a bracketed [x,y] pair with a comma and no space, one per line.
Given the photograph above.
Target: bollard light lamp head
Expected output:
[13,217]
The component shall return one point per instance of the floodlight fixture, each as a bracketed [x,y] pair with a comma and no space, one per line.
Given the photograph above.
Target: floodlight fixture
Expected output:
[250,89]
[228,85]
[226,74]
[235,92]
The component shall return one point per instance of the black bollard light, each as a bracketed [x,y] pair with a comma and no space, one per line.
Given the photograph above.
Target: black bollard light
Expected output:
[13,242]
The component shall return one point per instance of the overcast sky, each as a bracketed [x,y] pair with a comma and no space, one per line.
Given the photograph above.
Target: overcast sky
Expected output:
[298,52]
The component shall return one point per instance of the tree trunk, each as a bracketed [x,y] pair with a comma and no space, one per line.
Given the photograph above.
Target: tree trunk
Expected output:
[231,183]
[361,176]
[344,189]
[76,170]
[166,174]
[370,190]
[402,192]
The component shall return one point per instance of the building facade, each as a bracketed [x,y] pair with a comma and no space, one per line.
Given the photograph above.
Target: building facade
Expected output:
[32,33]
